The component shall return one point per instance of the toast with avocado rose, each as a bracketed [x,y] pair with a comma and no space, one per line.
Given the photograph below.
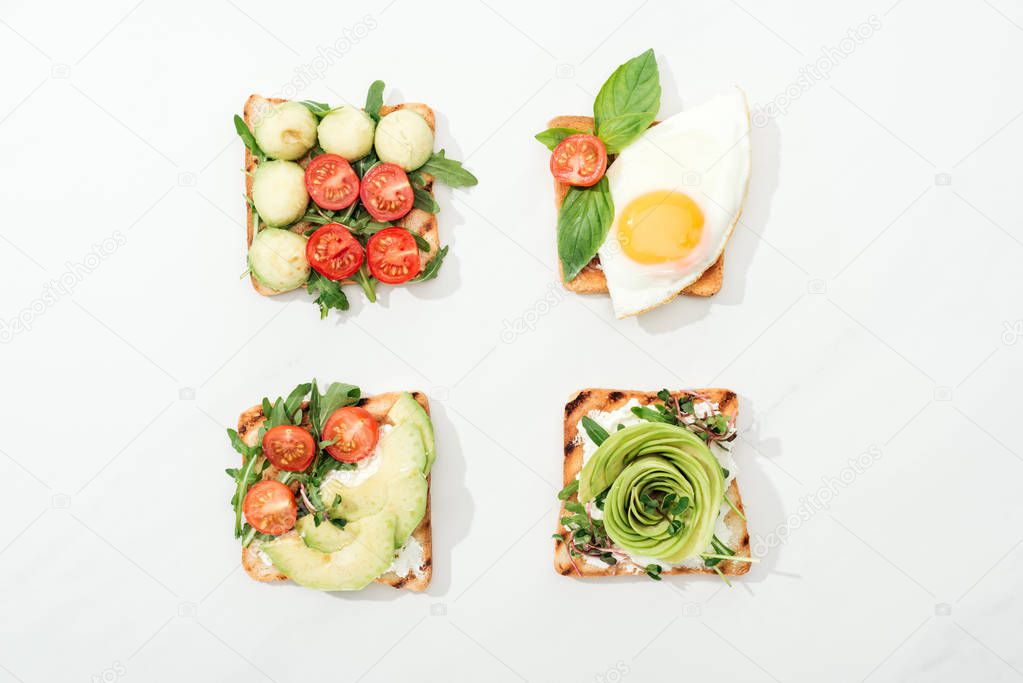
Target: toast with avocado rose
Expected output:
[333,491]
[341,195]
[650,485]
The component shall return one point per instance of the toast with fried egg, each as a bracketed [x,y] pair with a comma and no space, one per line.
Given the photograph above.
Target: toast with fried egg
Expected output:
[591,279]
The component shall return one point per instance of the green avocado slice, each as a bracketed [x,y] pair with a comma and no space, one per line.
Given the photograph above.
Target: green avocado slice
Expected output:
[407,409]
[355,566]
[398,488]
[326,537]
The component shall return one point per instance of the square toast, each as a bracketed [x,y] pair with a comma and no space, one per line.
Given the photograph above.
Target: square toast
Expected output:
[590,279]
[422,223]
[609,399]
[378,406]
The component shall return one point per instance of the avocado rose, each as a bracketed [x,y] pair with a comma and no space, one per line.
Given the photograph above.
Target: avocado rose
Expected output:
[647,471]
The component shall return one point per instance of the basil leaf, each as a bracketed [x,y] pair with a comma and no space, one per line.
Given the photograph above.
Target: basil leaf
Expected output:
[627,102]
[551,137]
[319,109]
[424,201]
[328,294]
[448,171]
[583,222]
[246,135]
[431,268]
[375,99]
[597,434]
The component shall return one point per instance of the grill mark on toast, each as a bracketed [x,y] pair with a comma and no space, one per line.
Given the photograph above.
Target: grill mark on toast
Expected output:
[576,402]
[615,396]
[569,447]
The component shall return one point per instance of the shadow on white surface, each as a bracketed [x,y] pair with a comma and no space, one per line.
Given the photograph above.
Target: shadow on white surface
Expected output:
[739,254]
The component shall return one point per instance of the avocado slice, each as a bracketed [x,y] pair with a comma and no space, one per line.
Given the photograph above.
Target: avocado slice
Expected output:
[353,567]
[407,409]
[399,488]
[326,537]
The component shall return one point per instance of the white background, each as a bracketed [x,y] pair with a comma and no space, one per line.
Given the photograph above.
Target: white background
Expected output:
[871,305]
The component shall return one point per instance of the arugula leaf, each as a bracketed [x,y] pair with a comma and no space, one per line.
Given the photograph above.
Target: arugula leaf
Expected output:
[375,99]
[583,222]
[246,135]
[432,266]
[628,102]
[424,201]
[246,450]
[577,508]
[319,109]
[244,477]
[571,488]
[552,137]
[421,242]
[328,293]
[338,395]
[597,434]
[293,403]
[367,282]
[650,415]
[365,163]
[653,571]
[448,171]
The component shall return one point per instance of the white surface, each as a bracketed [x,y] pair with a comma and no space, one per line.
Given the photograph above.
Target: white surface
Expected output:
[866,311]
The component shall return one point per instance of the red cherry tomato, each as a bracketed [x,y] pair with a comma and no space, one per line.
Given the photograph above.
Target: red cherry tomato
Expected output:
[579,160]
[289,447]
[386,192]
[354,432]
[333,252]
[270,507]
[331,182]
[393,256]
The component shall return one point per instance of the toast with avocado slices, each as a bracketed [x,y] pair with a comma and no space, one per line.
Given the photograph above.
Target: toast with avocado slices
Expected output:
[591,279]
[344,508]
[337,196]
[650,485]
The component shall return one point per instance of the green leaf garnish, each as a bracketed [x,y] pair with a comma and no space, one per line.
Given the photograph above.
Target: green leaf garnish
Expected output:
[569,490]
[327,294]
[432,266]
[597,434]
[246,135]
[375,99]
[552,137]
[448,171]
[627,102]
[583,222]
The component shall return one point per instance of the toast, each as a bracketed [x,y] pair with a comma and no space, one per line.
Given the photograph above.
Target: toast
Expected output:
[606,400]
[378,406]
[590,279]
[418,221]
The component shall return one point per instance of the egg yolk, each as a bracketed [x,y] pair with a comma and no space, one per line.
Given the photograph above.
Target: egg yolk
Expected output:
[660,226]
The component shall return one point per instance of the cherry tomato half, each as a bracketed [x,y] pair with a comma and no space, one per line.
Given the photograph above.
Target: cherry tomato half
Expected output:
[386,192]
[579,160]
[289,447]
[270,507]
[333,252]
[331,182]
[393,256]
[354,432]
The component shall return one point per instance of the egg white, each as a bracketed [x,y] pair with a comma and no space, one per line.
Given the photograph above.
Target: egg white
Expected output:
[703,152]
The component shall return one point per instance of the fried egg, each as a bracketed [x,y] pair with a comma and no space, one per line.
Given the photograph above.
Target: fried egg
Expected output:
[678,192]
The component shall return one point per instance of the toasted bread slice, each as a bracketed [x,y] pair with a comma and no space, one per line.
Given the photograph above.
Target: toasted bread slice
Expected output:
[606,400]
[378,406]
[418,221]
[590,279]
